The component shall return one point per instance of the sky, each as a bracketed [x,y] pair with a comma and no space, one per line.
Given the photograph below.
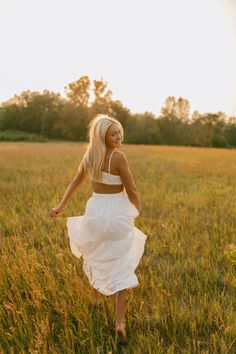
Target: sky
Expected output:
[145,50]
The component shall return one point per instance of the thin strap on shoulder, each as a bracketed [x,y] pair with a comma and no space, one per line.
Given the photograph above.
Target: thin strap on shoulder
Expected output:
[109,166]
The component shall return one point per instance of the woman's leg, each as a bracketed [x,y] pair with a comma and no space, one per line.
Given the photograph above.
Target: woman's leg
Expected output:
[120,301]
[96,297]
[120,312]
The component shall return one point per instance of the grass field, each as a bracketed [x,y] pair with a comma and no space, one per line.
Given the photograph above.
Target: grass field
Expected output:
[186,300]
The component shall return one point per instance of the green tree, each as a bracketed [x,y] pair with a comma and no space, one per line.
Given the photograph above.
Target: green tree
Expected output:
[78,92]
[230,132]
[102,98]
[142,129]
[120,112]
[176,108]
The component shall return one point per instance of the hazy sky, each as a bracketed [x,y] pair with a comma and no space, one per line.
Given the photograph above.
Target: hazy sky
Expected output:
[145,49]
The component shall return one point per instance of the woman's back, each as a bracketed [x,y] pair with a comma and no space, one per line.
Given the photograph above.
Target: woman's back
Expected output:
[110,181]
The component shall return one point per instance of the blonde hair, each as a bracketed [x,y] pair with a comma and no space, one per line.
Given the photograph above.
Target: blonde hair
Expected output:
[94,156]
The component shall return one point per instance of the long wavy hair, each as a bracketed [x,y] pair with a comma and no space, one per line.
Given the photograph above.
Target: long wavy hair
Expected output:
[95,154]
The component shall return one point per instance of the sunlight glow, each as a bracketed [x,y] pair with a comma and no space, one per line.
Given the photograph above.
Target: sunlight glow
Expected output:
[145,50]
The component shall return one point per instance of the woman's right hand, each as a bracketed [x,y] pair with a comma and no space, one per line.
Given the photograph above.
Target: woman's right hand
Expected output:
[54,212]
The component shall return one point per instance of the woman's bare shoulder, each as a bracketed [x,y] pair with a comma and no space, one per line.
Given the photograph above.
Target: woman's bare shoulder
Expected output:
[120,157]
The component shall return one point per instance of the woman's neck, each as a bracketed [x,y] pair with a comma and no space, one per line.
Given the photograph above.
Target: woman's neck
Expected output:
[110,150]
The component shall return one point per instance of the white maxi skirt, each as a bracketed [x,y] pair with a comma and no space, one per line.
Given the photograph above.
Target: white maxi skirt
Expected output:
[107,239]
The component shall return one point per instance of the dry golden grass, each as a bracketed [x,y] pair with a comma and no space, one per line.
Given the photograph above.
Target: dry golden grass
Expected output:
[186,299]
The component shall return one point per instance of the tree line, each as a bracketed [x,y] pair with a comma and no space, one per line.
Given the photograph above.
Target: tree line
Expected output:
[66,118]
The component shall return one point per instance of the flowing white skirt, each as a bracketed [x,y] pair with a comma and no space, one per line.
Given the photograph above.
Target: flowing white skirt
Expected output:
[109,242]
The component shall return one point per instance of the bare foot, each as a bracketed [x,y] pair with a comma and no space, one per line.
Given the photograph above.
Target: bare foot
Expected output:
[121,334]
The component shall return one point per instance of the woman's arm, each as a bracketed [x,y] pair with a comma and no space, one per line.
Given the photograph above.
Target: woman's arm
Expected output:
[75,183]
[127,179]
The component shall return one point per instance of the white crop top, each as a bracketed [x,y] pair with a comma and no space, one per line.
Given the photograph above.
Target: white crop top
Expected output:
[107,177]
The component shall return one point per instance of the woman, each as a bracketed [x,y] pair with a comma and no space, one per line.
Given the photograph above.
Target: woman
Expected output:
[105,235]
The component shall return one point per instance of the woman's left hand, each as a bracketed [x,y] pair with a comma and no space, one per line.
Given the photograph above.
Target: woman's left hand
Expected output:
[54,212]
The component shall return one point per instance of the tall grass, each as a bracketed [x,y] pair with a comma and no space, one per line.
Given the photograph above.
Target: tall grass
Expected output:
[186,299]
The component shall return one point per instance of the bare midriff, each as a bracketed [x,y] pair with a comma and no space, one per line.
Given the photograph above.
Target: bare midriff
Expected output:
[102,188]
